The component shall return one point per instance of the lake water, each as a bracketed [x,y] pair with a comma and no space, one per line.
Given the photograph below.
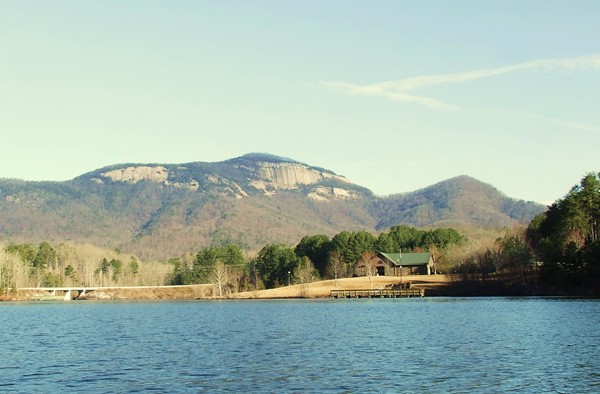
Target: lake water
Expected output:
[428,345]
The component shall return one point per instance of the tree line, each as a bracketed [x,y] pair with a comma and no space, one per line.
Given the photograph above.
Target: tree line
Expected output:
[47,265]
[567,238]
[314,257]
[557,253]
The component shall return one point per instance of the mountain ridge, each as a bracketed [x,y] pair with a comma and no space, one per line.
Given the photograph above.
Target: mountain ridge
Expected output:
[459,197]
[162,210]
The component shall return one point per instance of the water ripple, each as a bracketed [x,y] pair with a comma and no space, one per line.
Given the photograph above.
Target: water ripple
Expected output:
[345,346]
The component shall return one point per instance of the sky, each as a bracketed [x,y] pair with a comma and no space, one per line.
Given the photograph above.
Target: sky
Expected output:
[394,95]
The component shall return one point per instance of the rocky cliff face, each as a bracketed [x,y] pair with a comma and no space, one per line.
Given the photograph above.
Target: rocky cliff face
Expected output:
[291,175]
[271,177]
[241,177]
[137,174]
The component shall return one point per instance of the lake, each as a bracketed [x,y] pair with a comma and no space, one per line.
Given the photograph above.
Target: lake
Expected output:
[427,345]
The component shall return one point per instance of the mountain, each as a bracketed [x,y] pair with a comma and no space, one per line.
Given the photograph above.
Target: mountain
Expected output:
[163,210]
[458,201]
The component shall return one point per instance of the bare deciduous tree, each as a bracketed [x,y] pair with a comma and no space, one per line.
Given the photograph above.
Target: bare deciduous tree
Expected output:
[219,276]
[366,267]
[336,267]
[305,273]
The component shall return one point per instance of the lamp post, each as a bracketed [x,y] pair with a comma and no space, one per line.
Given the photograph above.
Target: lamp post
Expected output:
[400,261]
[400,276]
[289,273]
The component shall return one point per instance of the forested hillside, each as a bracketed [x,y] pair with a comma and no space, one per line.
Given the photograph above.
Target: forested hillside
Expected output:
[458,201]
[164,210]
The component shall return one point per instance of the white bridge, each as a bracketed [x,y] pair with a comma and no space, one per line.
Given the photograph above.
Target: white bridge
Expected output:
[74,292]
[68,293]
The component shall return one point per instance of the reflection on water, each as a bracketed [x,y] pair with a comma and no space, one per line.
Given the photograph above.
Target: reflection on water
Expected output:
[390,345]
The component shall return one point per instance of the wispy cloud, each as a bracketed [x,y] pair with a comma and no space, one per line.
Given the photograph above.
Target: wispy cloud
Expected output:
[401,90]
[564,124]
[389,93]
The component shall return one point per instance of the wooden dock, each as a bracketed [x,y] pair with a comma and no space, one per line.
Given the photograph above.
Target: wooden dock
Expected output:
[379,293]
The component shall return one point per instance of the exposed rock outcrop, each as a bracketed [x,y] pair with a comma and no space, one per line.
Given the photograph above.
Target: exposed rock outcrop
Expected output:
[323,193]
[291,175]
[271,177]
[239,177]
[137,174]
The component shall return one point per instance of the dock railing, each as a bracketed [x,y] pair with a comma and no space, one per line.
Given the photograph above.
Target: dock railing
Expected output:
[378,293]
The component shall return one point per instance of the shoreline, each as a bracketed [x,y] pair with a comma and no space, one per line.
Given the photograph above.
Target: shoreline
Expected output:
[432,285]
[320,289]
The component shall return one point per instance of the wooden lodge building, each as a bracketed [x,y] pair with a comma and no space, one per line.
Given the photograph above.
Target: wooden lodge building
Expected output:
[397,264]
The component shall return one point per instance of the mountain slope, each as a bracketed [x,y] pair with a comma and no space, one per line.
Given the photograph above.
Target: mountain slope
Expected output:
[163,210]
[458,201]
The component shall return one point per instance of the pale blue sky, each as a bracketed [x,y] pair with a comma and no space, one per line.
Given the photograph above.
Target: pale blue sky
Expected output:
[395,95]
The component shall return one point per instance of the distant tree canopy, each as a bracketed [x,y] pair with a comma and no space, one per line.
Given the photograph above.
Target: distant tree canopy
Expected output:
[567,236]
[50,265]
[206,259]
[316,248]
[38,259]
[350,246]
[337,256]
[25,252]
[276,264]
[313,257]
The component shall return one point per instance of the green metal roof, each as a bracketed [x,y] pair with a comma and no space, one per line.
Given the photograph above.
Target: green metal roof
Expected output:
[407,259]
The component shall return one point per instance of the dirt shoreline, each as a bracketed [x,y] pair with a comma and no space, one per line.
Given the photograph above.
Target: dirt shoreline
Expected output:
[322,289]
